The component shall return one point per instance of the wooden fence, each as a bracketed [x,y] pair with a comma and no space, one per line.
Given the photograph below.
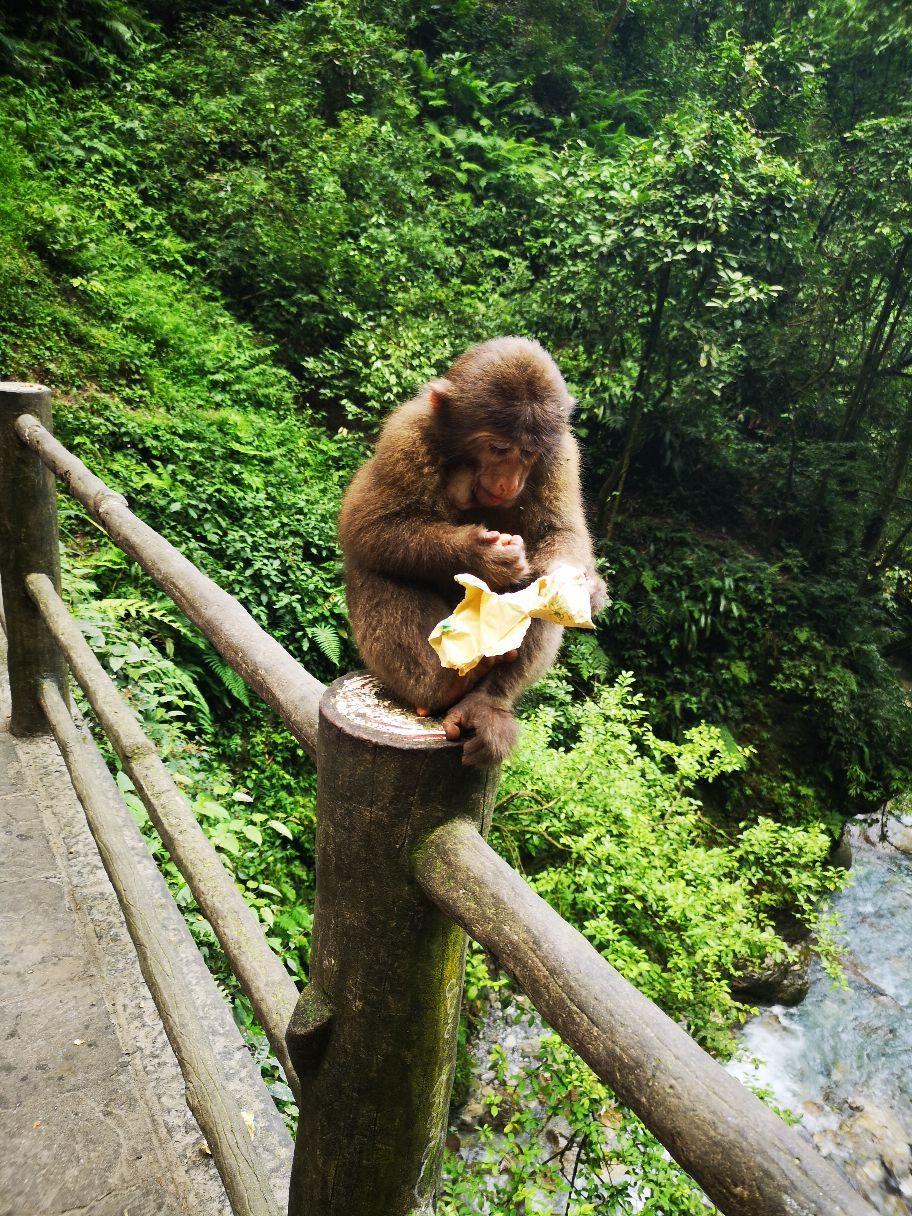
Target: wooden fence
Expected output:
[403,872]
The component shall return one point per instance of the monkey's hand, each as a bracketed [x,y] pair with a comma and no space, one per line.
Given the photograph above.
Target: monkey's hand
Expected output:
[502,560]
[598,592]
[489,725]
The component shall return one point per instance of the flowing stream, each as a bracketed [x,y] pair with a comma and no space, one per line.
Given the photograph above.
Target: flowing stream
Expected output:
[842,1059]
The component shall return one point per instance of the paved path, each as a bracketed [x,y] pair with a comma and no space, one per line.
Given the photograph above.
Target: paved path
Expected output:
[93,1116]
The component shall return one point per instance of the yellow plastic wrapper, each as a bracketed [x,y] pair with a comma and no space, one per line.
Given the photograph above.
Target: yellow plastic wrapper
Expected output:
[487,624]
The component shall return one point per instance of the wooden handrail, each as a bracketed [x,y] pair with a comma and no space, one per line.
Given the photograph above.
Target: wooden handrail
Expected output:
[243,1175]
[271,990]
[744,1157]
[247,648]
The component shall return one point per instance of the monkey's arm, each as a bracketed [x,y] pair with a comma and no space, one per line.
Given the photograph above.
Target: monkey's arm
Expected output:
[388,531]
[429,551]
[556,534]
[562,545]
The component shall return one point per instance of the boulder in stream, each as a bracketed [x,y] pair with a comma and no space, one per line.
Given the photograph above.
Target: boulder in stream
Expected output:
[877,1155]
[783,981]
[899,834]
[886,828]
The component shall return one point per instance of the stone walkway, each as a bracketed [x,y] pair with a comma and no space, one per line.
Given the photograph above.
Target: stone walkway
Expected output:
[93,1115]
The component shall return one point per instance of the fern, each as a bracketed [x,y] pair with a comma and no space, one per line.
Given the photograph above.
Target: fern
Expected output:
[586,655]
[328,641]
[227,675]
[647,619]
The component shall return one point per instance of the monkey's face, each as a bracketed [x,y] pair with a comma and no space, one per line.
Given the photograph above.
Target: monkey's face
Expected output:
[493,473]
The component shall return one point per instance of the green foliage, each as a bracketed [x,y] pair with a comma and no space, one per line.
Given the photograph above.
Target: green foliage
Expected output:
[606,1161]
[53,37]
[264,528]
[285,153]
[693,223]
[88,303]
[611,833]
[770,651]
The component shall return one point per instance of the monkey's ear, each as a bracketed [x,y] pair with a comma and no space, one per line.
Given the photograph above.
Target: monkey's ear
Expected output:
[440,393]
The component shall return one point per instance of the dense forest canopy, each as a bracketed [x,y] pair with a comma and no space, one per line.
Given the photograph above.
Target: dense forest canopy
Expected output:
[233,235]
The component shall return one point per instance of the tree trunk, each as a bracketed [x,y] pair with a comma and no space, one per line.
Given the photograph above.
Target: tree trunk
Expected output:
[874,532]
[610,28]
[614,485]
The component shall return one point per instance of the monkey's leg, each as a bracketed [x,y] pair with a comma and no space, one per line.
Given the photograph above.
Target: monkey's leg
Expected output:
[486,712]
[391,622]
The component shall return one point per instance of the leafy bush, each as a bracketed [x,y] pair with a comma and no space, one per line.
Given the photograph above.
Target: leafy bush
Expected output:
[612,833]
[599,1158]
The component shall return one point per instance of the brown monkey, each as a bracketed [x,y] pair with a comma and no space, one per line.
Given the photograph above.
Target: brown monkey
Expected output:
[478,474]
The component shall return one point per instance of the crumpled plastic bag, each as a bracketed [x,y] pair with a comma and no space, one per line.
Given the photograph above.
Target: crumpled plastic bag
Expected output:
[487,624]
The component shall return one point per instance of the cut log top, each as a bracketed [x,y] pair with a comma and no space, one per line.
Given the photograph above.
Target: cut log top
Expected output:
[359,705]
[16,386]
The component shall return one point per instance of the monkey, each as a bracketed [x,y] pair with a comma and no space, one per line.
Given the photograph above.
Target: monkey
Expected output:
[479,474]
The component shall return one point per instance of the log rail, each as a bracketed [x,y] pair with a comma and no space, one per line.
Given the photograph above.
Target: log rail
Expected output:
[262,662]
[402,870]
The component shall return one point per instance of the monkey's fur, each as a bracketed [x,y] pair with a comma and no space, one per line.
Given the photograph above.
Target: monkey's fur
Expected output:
[493,431]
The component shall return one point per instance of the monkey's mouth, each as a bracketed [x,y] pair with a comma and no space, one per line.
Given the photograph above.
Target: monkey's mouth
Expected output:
[486,499]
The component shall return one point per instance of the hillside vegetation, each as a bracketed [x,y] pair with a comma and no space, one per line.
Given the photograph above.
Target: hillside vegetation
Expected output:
[231,240]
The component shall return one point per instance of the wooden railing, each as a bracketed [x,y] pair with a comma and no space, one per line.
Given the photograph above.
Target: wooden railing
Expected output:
[369,1045]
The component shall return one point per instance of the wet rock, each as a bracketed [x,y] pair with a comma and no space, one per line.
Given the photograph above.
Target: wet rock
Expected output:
[471,1114]
[855,973]
[841,857]
[782,982]
[885,829]
[898,833]
[558,1134]
[879,1152]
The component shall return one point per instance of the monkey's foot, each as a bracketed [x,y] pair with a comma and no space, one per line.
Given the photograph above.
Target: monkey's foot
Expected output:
[488,727]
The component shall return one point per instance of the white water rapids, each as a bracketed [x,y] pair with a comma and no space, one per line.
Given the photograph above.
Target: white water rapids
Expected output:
[842,1059]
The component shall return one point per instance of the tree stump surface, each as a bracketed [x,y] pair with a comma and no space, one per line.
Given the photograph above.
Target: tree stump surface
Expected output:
[365,703]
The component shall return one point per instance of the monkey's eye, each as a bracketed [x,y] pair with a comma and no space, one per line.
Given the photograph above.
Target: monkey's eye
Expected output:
[499,449]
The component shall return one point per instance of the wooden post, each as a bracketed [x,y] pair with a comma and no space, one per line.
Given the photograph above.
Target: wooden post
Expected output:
[373,1038]
[28,544]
